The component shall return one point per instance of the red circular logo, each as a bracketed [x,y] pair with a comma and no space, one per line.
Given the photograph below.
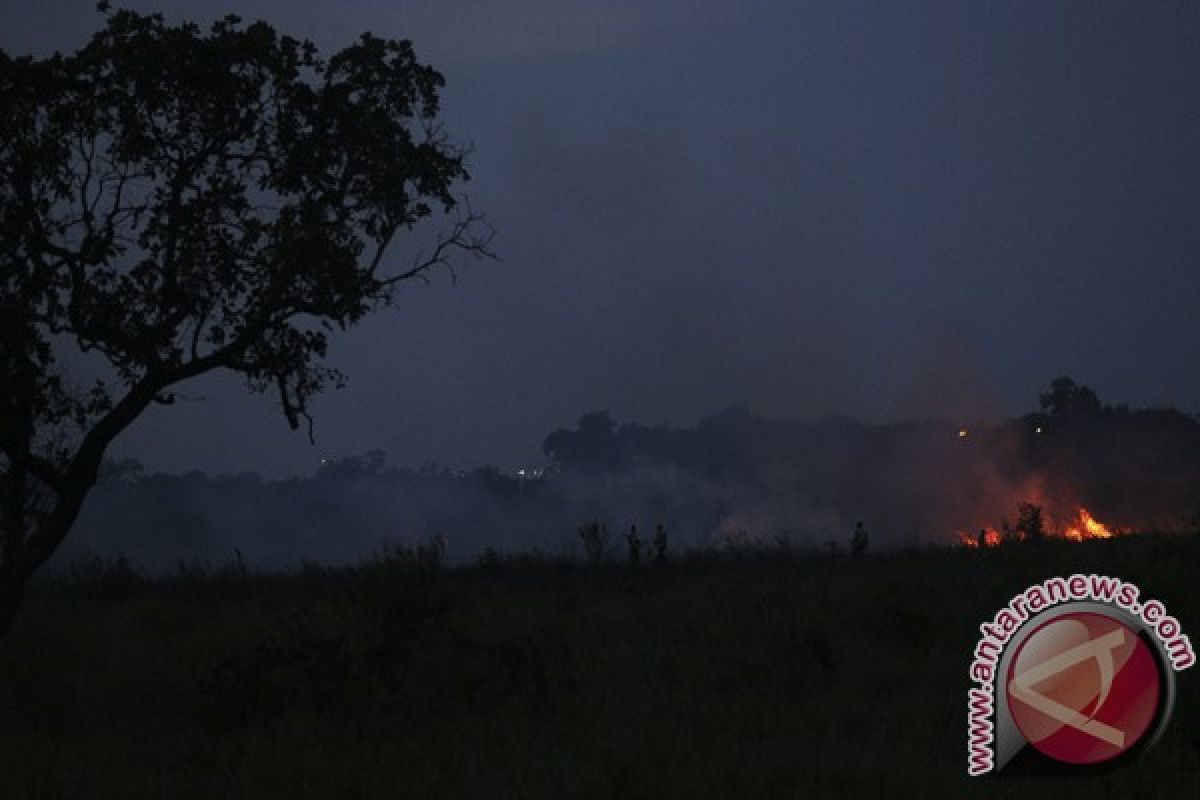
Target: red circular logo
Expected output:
[1084,688]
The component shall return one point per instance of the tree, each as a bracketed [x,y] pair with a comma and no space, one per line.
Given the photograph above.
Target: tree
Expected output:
[1067,398]
[1031,526]
[175,201]
[593,443]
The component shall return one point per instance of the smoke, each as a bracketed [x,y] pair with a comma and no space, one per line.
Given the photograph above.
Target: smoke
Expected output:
[734,478]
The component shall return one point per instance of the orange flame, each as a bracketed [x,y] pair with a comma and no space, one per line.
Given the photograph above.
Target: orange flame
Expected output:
[990,537]
[1088,527]
[1077,529]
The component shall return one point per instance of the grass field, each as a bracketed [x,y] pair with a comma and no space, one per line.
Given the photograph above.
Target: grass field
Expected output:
[731,676]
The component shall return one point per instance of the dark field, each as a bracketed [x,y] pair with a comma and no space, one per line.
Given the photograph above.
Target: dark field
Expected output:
[739,675]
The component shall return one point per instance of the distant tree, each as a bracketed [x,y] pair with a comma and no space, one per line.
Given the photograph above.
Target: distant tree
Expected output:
[175,201]
[1067,398]
[594,441]
[372,464]
[1031,525]
[127,470]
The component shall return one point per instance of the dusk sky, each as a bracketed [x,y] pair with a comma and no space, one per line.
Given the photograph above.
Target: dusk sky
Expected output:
[889,210]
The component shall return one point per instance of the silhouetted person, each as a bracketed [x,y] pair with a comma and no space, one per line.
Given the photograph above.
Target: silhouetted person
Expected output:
[635,546]
[660,543]
[982,538]
[858,542]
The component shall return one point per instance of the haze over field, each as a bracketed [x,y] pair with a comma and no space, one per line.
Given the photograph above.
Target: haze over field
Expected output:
[732,480]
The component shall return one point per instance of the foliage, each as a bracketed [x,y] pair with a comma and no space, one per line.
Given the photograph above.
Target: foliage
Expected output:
[1031,525]
[175,201]
[1067,398]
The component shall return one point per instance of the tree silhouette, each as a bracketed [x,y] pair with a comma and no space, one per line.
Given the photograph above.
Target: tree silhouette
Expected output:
[594,442]
[1031,525]
[175,201]
[1067,398]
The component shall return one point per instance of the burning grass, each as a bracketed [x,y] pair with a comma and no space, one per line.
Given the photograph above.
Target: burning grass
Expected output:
[1082,526]
[1087,527]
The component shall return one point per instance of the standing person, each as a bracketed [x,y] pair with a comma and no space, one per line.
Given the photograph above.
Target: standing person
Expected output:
[858,542]
[660,544]
[635,546]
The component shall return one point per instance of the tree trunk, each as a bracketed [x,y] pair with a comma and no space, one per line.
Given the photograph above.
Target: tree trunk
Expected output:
[10,603]
[22,561]
[21,556]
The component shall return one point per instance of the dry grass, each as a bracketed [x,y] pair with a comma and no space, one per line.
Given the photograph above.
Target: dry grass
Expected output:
[743,675]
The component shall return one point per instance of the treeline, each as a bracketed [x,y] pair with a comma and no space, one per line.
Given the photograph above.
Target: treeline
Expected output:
[1140,465]
[732,477]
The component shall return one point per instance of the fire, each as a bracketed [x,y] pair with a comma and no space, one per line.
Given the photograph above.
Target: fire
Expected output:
[1077,529]
[989,537]
[1087,527]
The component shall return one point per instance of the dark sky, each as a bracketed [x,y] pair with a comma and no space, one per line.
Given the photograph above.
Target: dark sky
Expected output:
[880,209]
